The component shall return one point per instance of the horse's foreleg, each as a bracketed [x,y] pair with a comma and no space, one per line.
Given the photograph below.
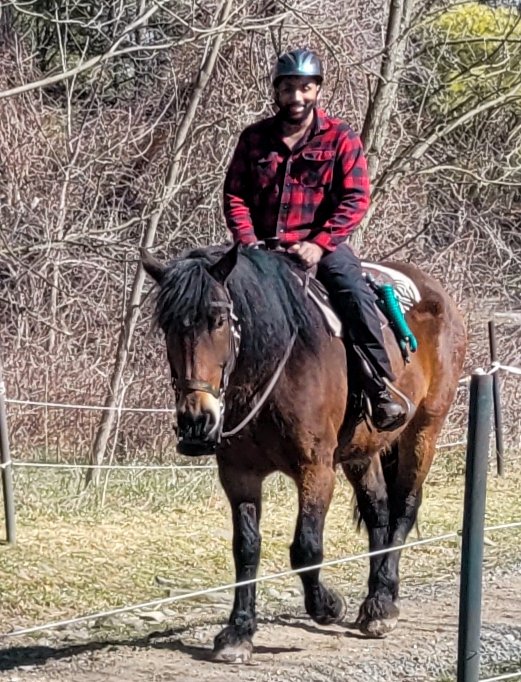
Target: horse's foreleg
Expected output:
[234,643]
[379,611]
[315,485]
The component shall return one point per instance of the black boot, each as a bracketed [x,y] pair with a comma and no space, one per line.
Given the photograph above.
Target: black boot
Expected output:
[387,414]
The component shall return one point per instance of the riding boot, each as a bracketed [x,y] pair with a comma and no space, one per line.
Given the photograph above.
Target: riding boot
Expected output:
[354,303]
[386,413]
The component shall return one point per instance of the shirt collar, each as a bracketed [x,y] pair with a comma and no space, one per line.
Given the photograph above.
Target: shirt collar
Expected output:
[321,122]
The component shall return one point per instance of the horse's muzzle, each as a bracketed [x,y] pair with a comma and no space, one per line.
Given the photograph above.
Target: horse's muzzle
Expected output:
[196,448]
[195,435]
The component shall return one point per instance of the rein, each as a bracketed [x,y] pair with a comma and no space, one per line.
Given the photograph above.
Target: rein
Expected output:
[258,401]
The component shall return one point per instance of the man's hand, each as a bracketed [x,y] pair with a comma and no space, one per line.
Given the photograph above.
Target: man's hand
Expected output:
[309,253]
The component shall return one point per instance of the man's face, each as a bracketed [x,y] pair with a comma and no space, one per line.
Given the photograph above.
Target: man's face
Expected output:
[296,96]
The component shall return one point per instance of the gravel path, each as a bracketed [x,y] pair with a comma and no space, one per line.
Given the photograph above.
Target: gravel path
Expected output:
[290,647]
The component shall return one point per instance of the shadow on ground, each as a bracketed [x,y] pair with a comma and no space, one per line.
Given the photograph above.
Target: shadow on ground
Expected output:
[35,655]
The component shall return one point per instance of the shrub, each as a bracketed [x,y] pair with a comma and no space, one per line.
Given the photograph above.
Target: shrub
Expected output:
[469,53]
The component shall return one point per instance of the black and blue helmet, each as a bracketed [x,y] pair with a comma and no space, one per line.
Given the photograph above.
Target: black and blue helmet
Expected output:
[300,62]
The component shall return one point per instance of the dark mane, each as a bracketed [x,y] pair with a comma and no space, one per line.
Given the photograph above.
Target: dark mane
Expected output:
[267,299]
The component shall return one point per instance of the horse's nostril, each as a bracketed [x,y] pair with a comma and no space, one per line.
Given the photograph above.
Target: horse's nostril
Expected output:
[203,424]
[195,426]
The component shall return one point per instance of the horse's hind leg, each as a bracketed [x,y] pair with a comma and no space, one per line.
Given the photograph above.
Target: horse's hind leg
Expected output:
[415,451]
[234,643]
[378,613]
[388,504]
[315,487]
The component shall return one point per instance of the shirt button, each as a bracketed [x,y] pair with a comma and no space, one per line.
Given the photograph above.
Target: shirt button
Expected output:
[288,184]
[285,206]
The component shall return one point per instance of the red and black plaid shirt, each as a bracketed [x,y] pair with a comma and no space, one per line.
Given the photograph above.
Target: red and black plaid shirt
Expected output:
[319,191]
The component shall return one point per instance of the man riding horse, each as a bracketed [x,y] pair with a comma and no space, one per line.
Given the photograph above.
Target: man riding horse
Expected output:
[299,180]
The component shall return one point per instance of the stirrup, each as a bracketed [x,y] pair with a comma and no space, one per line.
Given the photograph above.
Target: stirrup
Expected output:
[410,407]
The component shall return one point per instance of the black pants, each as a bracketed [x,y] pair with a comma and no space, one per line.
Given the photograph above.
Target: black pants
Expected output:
[354,302]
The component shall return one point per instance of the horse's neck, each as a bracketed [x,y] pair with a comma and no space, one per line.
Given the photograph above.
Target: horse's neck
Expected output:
[249,384]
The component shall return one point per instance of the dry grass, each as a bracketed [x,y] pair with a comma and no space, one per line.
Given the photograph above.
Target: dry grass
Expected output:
[76,555]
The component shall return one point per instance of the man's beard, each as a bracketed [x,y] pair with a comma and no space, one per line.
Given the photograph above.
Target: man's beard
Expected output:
[295,117]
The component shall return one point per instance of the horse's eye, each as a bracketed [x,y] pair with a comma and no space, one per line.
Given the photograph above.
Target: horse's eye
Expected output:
[218,322]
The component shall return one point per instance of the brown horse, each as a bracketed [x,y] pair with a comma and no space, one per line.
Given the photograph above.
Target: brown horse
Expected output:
[243,339]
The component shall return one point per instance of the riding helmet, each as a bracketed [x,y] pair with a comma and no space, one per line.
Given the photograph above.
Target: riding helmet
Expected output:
[300,62]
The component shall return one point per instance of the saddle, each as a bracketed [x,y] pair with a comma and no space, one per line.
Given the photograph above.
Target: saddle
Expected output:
[399,290]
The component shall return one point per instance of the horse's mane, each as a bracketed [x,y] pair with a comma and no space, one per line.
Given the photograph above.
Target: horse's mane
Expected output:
[267,298]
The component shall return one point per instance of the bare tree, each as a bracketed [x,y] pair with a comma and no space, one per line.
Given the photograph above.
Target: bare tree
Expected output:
[116,128]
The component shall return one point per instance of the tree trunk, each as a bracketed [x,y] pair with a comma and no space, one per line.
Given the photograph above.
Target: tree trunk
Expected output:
[6,24]
[375,130]
[127,330]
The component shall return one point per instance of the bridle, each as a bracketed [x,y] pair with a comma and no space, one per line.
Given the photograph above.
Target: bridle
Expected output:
[187,384]
[234,345]
[219,392]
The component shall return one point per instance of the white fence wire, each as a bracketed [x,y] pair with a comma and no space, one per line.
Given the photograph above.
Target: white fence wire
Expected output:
[221,588]
[265,578]
[114,467]
[76,406]
[506,676]
[145,467]
[494,367]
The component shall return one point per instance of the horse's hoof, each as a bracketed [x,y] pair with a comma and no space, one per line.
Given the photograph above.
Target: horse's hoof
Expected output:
[240,652]
[378,616]
[333,611]
[378,628]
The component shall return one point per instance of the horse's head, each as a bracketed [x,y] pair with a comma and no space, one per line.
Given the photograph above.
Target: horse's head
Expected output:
[195,311]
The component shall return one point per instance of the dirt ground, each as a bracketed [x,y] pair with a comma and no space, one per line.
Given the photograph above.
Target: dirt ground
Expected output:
[290,647]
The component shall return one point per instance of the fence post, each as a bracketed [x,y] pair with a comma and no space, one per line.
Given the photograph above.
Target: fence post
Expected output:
[7,469]
[480,411]
[496,385]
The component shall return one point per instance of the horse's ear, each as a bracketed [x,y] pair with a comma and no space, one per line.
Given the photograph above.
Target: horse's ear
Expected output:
[224,266]
[151,265]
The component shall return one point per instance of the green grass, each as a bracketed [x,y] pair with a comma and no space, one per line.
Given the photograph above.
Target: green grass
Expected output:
[80,552]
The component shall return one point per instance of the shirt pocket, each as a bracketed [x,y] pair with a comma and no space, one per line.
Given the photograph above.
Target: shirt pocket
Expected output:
[315,167]
[265,171]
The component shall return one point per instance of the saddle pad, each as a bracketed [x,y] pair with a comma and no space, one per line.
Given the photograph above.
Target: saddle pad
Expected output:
[406,290]
[318,295]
